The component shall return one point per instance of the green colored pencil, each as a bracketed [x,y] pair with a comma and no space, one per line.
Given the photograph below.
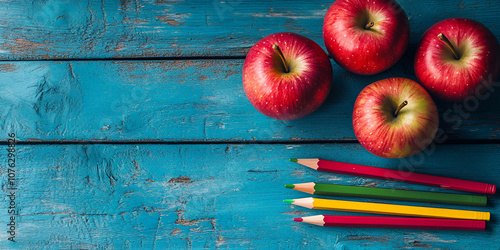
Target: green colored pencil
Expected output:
[390,194]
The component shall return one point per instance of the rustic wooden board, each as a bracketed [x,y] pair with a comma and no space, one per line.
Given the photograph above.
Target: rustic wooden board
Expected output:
[171,74]
[193,100]
[169,28]
[195,196]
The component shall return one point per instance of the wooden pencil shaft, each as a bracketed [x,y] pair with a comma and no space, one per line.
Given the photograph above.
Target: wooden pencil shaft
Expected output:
[394,194]
[397,222]
[390,174]
[379,208]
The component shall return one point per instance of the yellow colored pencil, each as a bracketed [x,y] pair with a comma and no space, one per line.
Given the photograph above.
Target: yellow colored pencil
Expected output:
[379,208]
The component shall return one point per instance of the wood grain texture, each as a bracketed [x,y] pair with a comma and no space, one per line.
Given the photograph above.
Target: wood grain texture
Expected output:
[53,29]
[189,100]
[195,196]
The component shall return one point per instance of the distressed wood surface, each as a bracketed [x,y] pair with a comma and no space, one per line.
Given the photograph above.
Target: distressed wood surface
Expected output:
[187,100]
[168,28]
[168,196]
[171,74]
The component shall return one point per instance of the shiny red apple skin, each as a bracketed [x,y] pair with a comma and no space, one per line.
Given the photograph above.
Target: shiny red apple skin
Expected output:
[453,80]
[287,96]
[389,136]
[362,51]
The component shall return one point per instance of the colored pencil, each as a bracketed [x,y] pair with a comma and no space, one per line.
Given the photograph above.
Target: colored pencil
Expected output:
[379,208]
[393,222]
[390,194]
[382,173]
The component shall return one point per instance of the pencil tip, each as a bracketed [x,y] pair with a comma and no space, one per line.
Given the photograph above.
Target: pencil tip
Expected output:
[289,186]
[288,201]
[298,219]
[293,160]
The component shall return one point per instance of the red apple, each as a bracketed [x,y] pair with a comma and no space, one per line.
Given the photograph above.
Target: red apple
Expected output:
[456,58]
[395,118]
[366,37]
[287,76]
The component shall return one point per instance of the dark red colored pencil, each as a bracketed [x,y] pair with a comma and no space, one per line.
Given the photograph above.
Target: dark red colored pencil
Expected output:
[393,222]
[396,175]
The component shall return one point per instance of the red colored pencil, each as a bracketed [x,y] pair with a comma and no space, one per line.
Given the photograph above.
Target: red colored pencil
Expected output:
[382,173]
[393,222]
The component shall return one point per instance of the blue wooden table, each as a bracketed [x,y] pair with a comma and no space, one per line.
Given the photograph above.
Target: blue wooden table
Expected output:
[133,129]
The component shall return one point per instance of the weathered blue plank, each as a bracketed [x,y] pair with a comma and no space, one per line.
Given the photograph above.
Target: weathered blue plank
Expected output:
[195,196]
[183,101]
[145,28]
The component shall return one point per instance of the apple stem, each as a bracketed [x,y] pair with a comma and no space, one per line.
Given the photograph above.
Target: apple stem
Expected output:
[445,40]
[369,25]
[402,105]
[276,47]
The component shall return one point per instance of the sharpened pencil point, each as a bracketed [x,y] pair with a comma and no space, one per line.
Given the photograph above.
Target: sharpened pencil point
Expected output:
[288,201]
[290,186]
[293,160]
[298,219]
